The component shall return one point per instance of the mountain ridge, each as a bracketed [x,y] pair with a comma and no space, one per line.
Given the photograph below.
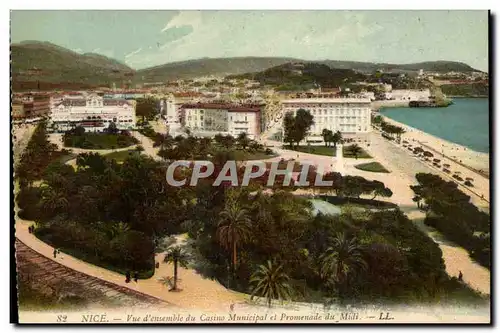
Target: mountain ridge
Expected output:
[33,61]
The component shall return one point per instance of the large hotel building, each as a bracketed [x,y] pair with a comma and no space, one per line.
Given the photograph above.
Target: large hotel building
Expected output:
[213,118]
[93,112]
[350,116]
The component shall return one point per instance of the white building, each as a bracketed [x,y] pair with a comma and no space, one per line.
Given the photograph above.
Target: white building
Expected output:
[93,112]
[170,111]
[409,95]
[212,118]
[350,116]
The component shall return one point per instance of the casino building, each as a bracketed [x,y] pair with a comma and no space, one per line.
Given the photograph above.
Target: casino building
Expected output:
[93,112]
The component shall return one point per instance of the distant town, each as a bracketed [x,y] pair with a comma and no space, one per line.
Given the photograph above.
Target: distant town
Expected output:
[211,105]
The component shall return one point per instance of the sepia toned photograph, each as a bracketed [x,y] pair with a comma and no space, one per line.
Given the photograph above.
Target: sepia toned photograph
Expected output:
[251,166]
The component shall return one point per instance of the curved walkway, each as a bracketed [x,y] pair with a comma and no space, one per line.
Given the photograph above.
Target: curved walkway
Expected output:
[49,273]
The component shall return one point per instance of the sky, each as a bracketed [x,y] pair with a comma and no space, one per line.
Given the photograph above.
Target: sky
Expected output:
[143,39]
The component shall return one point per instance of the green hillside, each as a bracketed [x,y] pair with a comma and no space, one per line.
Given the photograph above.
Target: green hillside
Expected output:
[466,90]
[299,76]
[48,66]
[428,66]
[52,65]
[208,66]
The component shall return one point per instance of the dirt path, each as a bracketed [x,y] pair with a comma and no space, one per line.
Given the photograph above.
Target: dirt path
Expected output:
[46,273]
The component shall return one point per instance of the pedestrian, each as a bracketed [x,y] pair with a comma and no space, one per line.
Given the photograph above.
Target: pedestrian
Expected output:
[157,265]
[127,277]
[55,253]
[231,307]
[460,276]
[136,276]
[30,230]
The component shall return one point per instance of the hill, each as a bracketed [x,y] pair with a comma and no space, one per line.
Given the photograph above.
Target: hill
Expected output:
[428,66]
[479,89]
[207,67]
[49,65]
[299,75]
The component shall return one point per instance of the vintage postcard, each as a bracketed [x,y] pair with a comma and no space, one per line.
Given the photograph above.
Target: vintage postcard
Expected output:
[283,167]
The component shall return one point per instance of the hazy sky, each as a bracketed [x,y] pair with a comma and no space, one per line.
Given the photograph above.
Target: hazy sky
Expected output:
[148,38]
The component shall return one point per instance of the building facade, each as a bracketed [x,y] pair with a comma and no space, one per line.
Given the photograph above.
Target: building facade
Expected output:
[350,116]
[93,112]
[214,118]
[30,105]
[409,95]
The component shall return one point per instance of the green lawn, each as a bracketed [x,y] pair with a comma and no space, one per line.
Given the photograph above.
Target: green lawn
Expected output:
[120,156]
[99,141]
[242,155]
[328,151]
[372,167]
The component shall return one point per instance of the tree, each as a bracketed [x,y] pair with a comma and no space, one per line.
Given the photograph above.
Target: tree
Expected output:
[355,150]
[243,140]
[228,141]
[417,200]
[146,108]
[289,129]
[297,127]
[112,128]
[303,122]
[326,134]
[271,282]
[233,228]
[178,257]
[336,138]
[118,228]
[341,260]
[53,200]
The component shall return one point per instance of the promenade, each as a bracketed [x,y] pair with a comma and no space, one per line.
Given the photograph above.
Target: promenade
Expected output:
[203,294]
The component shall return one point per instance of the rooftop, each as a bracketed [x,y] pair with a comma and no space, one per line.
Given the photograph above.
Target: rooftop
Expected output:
[225,106]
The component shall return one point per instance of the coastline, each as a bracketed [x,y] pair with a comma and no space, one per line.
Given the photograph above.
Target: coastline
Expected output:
[478,161]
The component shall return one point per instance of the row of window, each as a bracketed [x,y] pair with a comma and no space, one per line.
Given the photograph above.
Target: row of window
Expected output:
[320,112]
[329,105]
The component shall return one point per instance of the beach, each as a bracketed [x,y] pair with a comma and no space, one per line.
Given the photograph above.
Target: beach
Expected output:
[476,160]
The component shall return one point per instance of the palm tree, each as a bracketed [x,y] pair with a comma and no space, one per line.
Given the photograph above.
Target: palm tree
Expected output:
[336,138]
[177,256]
[355,150]
[118,228]
[53,199]
[271,282]
[233,228]
[327,135]
[243,140]
[342,259]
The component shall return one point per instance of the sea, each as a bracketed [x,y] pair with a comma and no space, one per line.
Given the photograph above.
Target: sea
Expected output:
[465,122]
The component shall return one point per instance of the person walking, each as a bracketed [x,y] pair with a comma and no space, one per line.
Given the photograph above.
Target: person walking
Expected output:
[127,277]
[55,253]
[460,276]
[136,276]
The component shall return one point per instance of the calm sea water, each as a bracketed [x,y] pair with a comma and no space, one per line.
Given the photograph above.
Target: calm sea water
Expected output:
[465,122]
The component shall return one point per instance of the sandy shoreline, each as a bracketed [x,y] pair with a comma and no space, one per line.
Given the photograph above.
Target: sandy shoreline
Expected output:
[473,159]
